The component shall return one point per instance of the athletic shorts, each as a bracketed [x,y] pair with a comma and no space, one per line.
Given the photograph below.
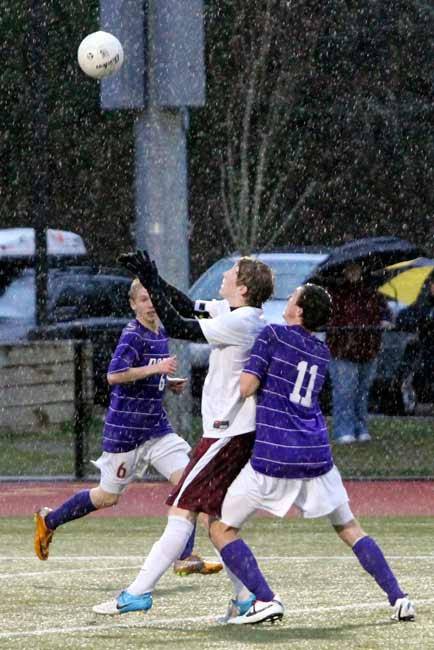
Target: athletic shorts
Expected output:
[166,454]
[214,464]
[251,491]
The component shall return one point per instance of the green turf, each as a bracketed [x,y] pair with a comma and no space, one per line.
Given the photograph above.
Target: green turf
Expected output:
[401,447]
[331,603]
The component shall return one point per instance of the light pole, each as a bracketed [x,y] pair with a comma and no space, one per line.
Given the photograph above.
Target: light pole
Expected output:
[40,177]
[162,76]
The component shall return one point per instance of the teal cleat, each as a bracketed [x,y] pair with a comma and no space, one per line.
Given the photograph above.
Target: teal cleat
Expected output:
[237,608]
[125,603]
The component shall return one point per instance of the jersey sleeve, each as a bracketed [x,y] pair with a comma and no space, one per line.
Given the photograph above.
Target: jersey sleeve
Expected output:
[127,353]
[225,329]
[261,353]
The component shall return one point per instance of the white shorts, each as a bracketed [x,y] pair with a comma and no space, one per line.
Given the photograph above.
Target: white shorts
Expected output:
[251,491]
[166,454]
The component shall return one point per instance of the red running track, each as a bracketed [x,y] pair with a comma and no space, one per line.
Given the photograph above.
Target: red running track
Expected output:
[376,498]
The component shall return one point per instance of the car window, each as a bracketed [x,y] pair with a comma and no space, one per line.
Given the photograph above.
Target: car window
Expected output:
[83,295]
[208,285]
[18,299]
[96,296]
[289,274]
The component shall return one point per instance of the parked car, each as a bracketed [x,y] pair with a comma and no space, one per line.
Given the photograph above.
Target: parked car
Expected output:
[83,303]
[393,390]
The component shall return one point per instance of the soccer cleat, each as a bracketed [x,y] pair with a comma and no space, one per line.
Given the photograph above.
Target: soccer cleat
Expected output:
[259,612]
[124,603]
[237,608]
[195,564]
[403,610]
[43,535]
[364,437]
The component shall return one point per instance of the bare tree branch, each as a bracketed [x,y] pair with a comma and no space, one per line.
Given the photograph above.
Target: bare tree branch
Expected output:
[265,151]
[302,199]
[226,212]
[247,117]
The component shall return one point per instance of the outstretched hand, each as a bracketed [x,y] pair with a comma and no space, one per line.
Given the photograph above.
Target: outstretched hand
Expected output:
[141,265]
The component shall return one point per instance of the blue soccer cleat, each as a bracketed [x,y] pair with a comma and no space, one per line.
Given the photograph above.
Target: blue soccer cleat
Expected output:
[124,603]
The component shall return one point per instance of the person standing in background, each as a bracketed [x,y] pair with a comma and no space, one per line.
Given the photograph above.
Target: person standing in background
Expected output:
[354,336]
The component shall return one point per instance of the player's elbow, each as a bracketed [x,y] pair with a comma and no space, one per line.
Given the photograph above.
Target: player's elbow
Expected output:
[248,385]
[111,379]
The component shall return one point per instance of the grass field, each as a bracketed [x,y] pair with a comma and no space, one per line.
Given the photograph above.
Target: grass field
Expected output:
[330,602]
[400,447]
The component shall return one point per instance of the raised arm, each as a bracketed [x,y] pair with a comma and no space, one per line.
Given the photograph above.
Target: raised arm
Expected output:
[176,325]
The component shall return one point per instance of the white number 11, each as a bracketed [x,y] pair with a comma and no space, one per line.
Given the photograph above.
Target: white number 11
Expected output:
[295,396]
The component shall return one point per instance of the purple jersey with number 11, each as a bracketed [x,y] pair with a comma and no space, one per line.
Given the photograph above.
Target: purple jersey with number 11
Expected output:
[291,432]
[136,412]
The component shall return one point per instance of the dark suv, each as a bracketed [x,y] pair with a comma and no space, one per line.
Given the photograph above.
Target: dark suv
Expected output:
[84,302]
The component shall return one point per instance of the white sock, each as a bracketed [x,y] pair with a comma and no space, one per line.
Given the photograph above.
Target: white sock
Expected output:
[241,592]
[163,553]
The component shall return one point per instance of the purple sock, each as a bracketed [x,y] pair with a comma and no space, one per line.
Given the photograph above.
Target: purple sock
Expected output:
[373,561]
[188,550]
[240,560]
[77,506]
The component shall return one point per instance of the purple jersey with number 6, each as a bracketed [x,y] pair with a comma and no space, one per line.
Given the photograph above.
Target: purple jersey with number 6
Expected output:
[136,412]
[291,433]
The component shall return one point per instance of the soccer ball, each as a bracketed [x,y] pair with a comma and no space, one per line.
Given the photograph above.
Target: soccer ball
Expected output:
[100,54]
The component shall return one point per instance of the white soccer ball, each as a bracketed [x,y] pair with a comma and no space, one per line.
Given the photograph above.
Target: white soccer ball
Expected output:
[100,54]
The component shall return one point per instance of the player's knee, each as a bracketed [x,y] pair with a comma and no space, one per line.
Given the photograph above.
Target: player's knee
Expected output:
[221,534]
[350,532]
[102,499]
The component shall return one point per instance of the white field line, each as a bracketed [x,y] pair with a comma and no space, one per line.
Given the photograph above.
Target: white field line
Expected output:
[263,558]
[47,572]
[212,620]
[50,572]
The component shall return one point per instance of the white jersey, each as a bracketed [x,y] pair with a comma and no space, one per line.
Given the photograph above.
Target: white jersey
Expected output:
[231,335]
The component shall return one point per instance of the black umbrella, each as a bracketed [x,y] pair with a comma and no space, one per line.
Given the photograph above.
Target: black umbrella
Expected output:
[372,253]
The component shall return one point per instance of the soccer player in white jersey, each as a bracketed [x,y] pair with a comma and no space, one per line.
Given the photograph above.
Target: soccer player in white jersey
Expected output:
[228,419]
[292,461]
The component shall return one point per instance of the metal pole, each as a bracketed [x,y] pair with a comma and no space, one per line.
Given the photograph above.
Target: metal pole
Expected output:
[39,203]
[79,410]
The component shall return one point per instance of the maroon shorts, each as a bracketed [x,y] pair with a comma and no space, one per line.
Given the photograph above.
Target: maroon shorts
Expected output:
[214,464]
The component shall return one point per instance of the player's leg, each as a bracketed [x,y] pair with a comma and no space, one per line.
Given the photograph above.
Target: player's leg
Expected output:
[169,456]
[117,471]
[366,373]
[241,501]
[213,465]
[371,558]
[138,595]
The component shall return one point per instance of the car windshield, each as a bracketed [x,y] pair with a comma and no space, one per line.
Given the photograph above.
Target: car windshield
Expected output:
[18,300]
[289,273]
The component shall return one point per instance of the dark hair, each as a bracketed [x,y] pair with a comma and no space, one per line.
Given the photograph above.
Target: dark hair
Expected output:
[257,277]
[316,303]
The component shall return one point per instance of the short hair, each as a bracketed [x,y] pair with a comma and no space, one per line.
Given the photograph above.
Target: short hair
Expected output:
[258,278]
[134,287]
[317,304]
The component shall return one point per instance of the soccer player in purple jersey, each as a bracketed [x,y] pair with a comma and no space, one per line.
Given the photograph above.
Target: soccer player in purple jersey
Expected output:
[137,431]
[292,462]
